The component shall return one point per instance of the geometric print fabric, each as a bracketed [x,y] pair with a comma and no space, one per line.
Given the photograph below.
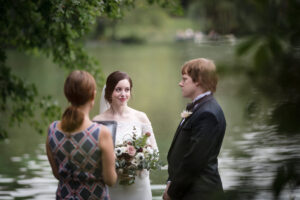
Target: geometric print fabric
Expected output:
[77,157]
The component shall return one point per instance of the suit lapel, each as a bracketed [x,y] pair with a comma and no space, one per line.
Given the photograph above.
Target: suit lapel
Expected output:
[204,99]
[174,139]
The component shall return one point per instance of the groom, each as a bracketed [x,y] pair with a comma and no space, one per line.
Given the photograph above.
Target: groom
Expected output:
[193,155]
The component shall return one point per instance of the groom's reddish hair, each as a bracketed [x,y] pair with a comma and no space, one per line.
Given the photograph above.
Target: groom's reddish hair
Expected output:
[203,71]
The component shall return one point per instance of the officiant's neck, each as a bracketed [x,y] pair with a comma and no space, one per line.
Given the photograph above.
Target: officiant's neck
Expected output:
[85,109]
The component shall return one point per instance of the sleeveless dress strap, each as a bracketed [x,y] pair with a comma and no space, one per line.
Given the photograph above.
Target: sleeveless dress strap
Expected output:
[52,127]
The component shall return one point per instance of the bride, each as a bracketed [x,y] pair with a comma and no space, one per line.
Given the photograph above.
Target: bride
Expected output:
[117,93]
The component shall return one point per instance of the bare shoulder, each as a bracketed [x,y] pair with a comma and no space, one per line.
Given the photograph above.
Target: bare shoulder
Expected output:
[104,137]
[98,117]
[141,116]
[104,132]
[102,117]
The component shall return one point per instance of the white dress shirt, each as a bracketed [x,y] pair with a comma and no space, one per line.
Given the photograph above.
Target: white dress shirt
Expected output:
[200,96]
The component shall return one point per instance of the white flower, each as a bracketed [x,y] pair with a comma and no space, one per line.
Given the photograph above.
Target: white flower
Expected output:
[123,149]
[134,162]
[119,143]
[140,156]
[118,151]
[149,150]
[186,114]
[156,152]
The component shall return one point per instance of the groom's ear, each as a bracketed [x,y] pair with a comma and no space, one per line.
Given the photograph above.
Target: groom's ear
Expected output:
[197,83]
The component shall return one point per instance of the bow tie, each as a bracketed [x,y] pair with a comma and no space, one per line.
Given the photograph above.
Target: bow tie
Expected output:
[190,106]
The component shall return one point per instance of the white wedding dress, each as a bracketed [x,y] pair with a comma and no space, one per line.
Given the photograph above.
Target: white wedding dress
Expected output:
[141,189]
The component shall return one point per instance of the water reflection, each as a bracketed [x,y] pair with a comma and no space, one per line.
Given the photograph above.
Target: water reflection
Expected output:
[35,182]
[252,164]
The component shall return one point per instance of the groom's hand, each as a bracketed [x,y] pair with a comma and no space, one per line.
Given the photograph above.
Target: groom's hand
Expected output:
[165,195]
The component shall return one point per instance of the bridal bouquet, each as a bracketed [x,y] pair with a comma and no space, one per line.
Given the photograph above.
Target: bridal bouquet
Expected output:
[134,155]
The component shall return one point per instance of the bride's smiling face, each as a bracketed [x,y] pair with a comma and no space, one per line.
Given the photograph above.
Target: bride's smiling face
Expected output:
[121,93]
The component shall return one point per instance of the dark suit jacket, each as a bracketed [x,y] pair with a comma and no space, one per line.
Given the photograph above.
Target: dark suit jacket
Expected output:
[192,157]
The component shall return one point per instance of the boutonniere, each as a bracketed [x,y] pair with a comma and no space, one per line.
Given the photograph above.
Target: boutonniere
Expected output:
[186,114]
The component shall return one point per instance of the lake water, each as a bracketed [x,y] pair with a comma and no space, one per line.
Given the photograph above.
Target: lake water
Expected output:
[252,148]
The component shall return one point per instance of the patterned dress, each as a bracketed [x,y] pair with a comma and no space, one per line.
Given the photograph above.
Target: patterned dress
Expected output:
[78,160]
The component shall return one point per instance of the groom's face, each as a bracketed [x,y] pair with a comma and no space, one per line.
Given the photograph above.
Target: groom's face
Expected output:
[188,87]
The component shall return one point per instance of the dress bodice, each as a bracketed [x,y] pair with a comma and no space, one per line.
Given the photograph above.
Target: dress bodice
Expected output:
[141,188]
[78,160]
[126,129]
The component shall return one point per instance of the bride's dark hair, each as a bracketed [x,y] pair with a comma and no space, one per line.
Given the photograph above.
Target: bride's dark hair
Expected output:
[111,82]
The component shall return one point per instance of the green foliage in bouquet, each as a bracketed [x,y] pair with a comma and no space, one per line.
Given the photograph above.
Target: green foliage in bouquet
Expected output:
[135,155]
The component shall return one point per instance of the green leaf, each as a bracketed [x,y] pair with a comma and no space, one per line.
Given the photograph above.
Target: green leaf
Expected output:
[246,45]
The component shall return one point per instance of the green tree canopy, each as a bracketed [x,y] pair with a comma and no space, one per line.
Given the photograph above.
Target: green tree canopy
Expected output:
[54,28]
